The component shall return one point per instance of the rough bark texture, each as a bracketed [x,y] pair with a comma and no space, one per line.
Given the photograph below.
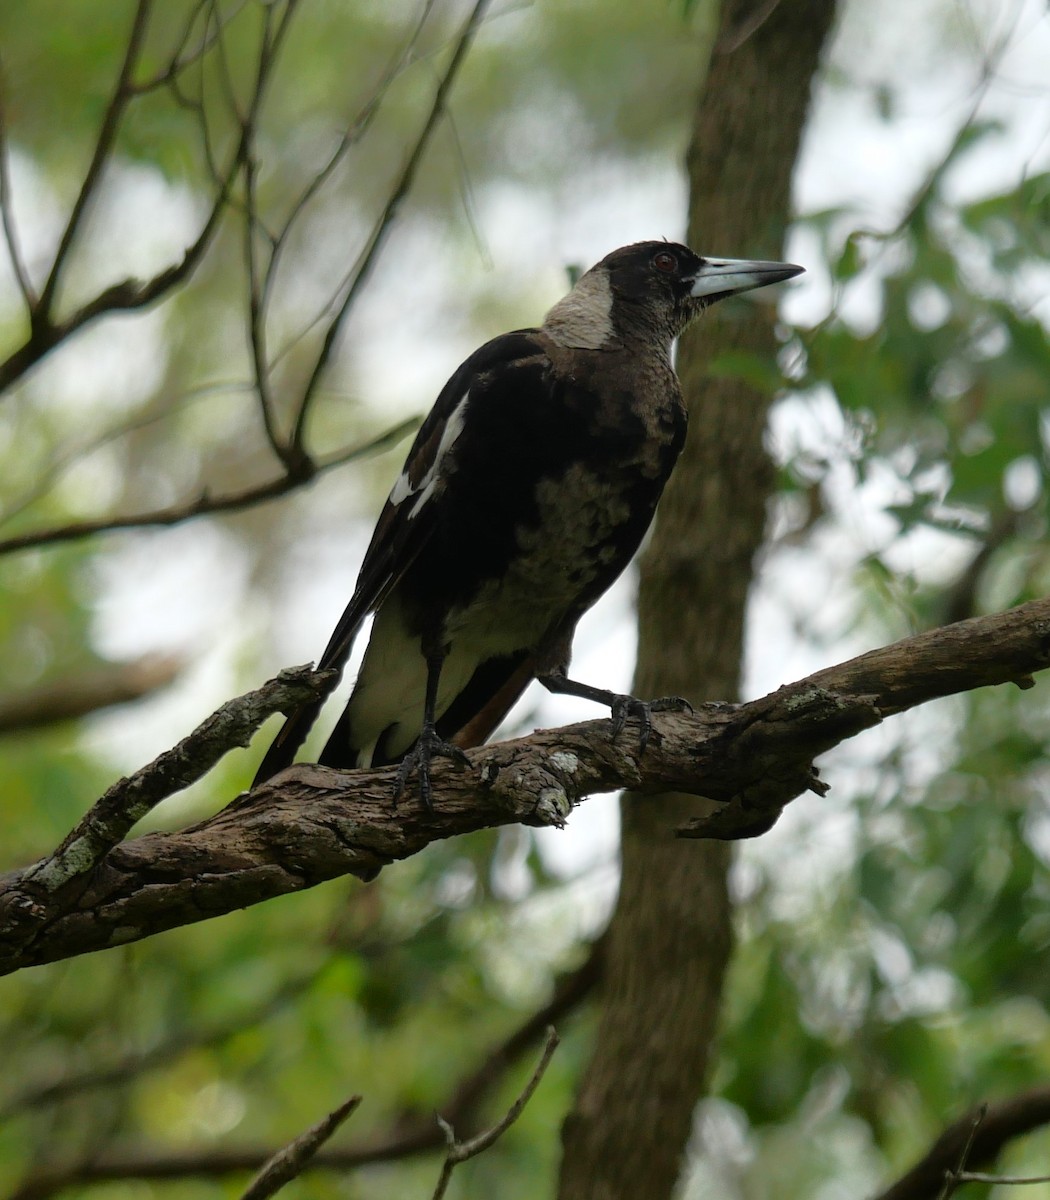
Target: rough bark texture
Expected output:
[312,823]
[670,936]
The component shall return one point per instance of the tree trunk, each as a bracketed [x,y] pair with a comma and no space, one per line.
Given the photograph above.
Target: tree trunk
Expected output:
[670,937]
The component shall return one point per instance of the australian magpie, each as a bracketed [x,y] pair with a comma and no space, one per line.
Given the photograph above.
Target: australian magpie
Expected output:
[525,494]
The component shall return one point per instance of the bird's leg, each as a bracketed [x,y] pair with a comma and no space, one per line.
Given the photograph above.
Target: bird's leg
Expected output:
[428,744]
[621,706]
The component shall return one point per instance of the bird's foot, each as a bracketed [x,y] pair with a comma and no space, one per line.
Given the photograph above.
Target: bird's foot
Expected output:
[428,747]
[625,707]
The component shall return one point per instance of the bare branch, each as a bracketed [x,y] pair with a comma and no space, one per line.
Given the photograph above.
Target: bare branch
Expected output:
[103,149]
[72,697]
[7,212]
[351,135]
[410,1136]
[973,1138]
[205,504]
[1005,1180]
[290,1161]
[125,296]
[126,1069]
[69,455]
[951,1176]
[257,319]
[112,817]
[364,265]
[311,823]
[1003,648]
[45,333]
[459,1152]
[181,58]
[295,459]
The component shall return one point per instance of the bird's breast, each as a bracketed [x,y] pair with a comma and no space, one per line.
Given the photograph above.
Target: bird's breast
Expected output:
[551,487]
[582,533]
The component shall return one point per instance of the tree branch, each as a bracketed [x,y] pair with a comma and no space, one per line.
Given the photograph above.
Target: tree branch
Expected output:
[124,296]
[7,212]
[409,1136]
[72,697]
[363,268]
[977,1138]
[112,817]
[46,333]
[70,1083]
[459,1152]
[311,823]
[205,504]
[103,149]
[291,1160]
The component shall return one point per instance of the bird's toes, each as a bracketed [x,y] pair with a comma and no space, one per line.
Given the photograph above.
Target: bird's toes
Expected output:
[625,707]
[458,756]
[419,758]
[409,763]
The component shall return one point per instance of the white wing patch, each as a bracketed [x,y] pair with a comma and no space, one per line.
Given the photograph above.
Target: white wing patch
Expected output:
[424,488]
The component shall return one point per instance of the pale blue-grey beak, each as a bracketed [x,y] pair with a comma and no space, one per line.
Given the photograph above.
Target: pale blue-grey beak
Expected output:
[723,276]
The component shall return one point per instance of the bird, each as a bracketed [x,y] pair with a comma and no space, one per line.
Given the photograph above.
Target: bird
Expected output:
[525,494]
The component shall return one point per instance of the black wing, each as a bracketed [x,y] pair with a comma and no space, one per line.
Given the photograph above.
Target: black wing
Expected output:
[403,527]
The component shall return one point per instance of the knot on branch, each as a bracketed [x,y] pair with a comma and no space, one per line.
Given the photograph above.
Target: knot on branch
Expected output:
[767,752]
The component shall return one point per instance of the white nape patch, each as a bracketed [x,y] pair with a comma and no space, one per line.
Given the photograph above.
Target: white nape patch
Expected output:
[403,487]
[583,319]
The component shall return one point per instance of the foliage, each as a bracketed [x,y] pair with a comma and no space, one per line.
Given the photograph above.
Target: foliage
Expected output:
[893,938]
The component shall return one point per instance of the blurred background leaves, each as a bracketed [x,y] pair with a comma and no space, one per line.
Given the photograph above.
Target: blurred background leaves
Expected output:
[891,965]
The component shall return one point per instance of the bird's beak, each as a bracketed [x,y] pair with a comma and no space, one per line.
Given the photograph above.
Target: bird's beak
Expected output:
[720,277]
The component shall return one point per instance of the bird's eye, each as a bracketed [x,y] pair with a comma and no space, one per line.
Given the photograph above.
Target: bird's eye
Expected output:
[666,262]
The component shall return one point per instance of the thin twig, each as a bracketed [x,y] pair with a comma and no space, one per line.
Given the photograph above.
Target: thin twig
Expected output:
[7,212]
[409,1137]
[177,62]
[459,1152]
[257,321]
[111,818]
[125,1070]
[103,149]
[367,259]
[290,1161]
[951,1175]
[125,296]
[980,1142]
[75,695]
[351,135]
[296,461]
[229,90]
[46,334]
[205,504]
[70,455]
[1006,1180]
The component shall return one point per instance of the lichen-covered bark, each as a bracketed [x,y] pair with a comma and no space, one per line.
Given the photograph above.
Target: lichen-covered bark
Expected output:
[670,936]
[312,823]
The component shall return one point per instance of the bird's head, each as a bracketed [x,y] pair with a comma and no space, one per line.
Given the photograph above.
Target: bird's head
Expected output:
[652,290]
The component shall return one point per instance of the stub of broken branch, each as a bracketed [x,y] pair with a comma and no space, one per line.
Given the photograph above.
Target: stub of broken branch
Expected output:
[311,823]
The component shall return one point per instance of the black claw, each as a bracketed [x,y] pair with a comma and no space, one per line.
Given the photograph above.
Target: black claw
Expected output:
[624,707]
[428,747]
